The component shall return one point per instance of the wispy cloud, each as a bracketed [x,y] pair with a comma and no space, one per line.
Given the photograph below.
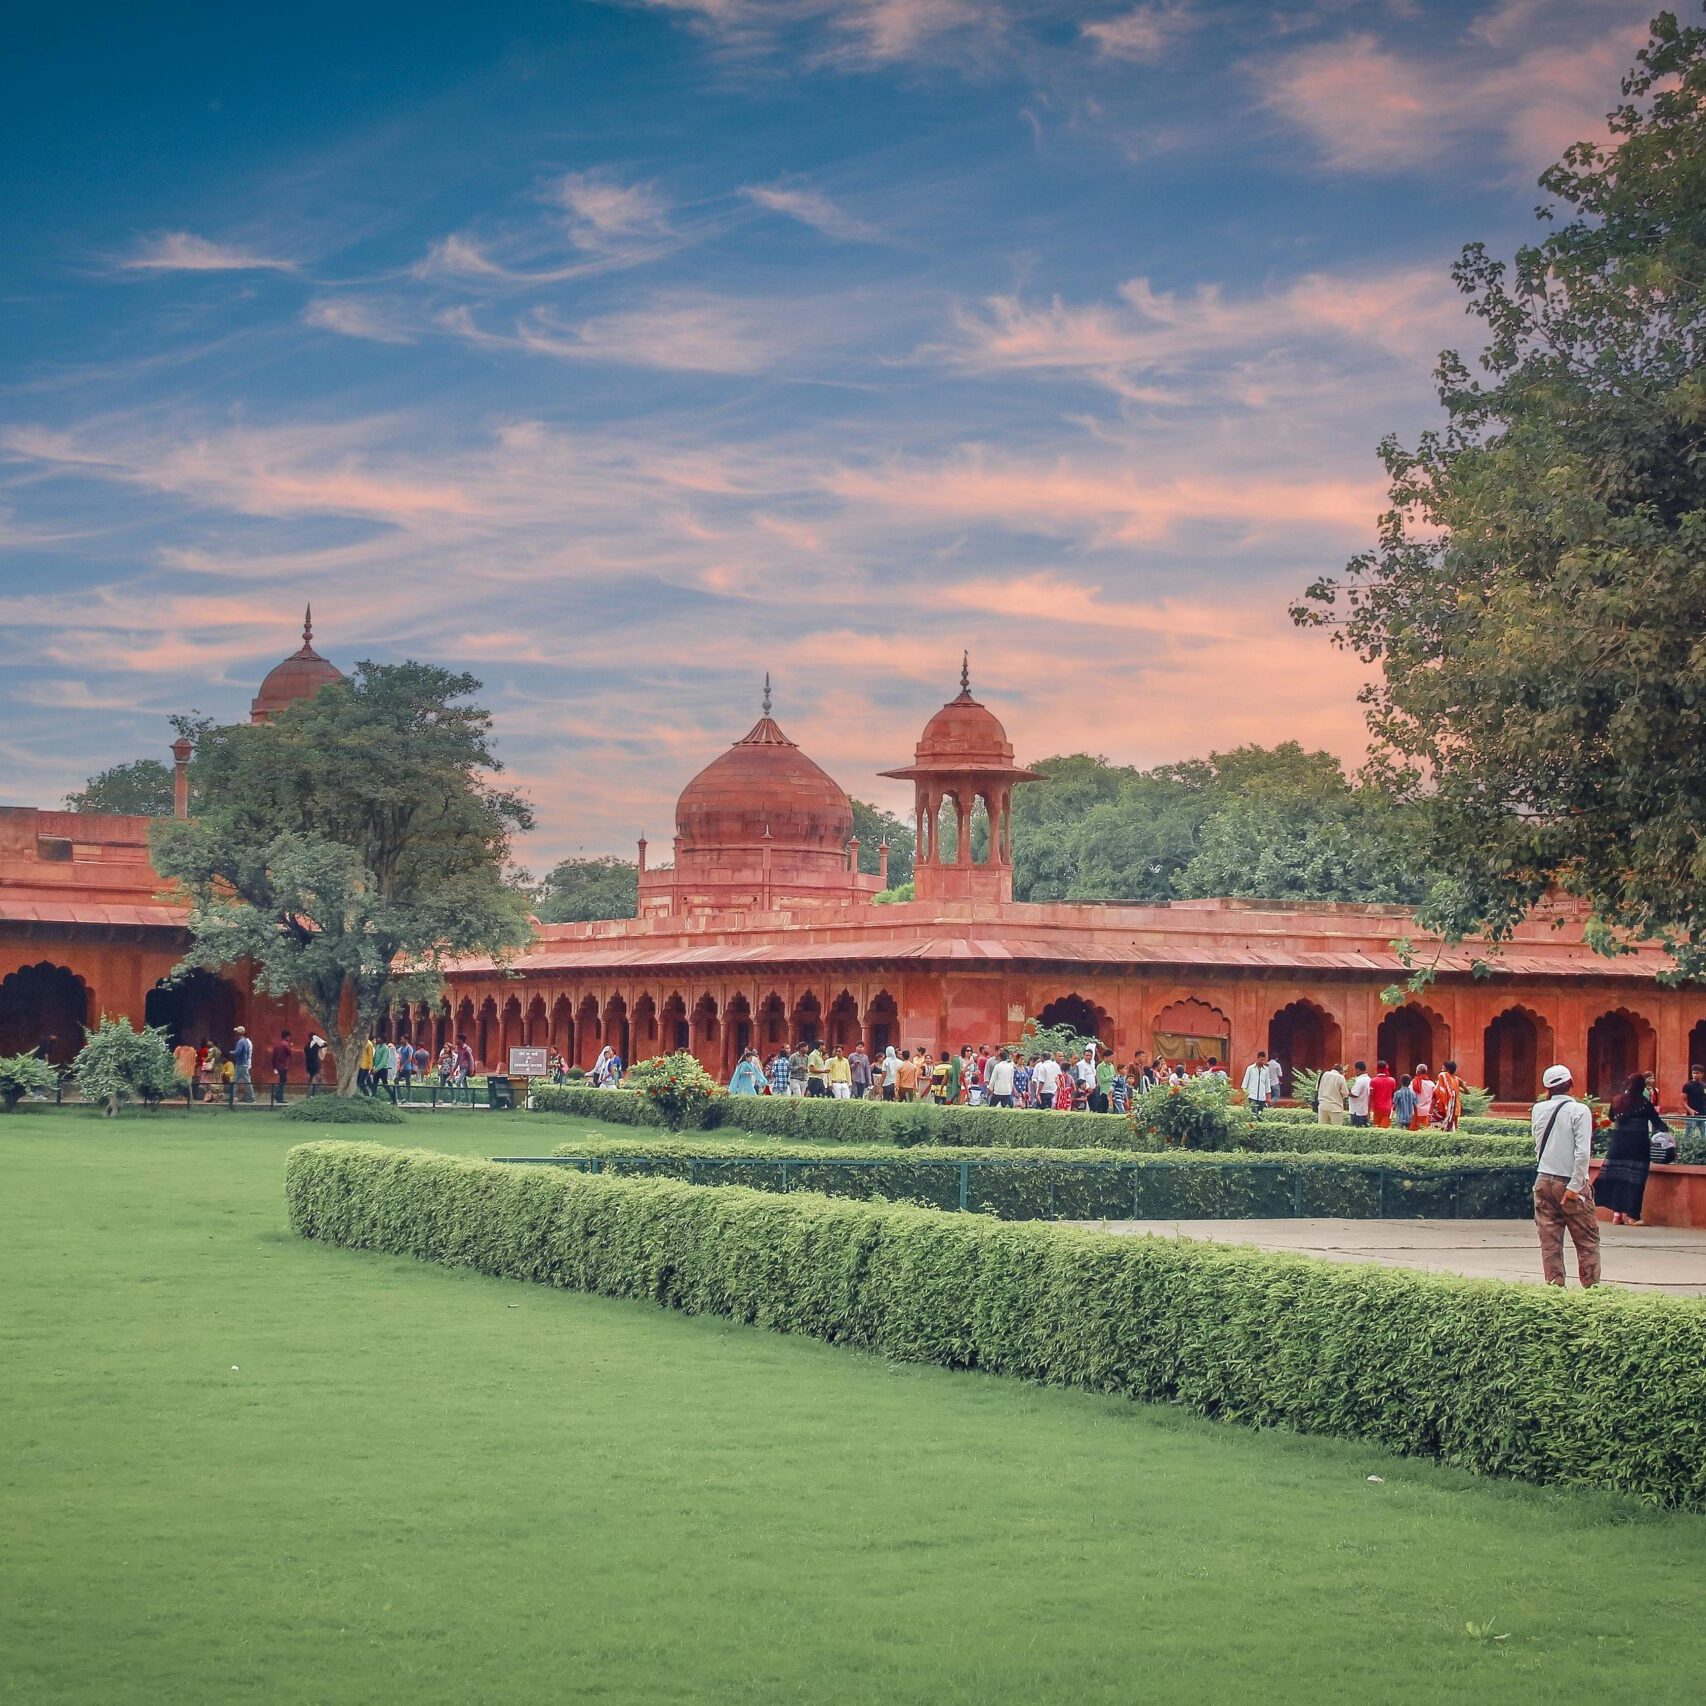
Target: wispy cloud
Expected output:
[813,208]
[1527,82]
[359,317]
[683,334]
[183,251]
[1144,34]
[604,212]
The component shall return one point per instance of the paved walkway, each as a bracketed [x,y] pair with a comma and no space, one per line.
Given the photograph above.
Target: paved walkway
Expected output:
[1644,1258]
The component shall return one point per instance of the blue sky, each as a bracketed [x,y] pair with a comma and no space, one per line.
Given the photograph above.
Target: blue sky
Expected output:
[620,353]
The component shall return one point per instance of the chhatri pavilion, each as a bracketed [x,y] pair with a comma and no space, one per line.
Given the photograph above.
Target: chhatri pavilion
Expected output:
[762,929]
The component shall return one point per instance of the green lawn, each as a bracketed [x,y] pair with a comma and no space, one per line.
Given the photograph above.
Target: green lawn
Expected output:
[238,1467]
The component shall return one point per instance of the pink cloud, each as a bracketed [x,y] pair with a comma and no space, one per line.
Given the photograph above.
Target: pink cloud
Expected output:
[183,251]
[1531,80]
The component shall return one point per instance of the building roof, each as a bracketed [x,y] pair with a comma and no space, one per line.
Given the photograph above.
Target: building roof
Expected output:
[299,676]
[965,736]
[763,788]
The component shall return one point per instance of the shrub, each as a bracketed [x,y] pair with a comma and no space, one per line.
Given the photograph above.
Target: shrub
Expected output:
[1604,1388]
[343,1110]
[1053,1184]
[809,1119]
[677,1089]
[118,1064]
[23,1075]
[1198,1115]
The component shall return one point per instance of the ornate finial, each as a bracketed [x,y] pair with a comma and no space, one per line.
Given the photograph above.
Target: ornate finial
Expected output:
[965,672]
[308,625]
[767,693]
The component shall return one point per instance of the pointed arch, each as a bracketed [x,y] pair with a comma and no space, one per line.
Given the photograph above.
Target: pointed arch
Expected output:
[1620,1044]
[1304,1036]
[1518,1045]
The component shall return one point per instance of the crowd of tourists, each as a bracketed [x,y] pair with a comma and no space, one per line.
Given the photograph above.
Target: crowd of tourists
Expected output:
[1416,1100]
[1065,1081]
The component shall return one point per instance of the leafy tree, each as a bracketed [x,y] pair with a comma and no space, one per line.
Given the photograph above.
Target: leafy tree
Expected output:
[577,890]
[118,1064]
[351,847]
[896,896]
[872,825]
[143,787]
[1046,816]
[1536,602]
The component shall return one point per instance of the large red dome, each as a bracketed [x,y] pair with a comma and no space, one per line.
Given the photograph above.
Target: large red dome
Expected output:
[299,676]
[764,785]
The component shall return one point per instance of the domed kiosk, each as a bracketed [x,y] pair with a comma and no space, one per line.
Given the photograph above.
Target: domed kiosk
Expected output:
[760,827]
[299,676]
[964,759]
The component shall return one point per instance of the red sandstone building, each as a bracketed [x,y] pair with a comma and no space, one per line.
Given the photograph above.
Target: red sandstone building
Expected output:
[763,930]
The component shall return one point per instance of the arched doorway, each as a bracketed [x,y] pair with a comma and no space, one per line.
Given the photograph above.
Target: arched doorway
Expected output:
[1193,1031]
[563,1030]
[509,1031]
[1697,1045]
[772,1022]
[843,1021]
[616,1025]
[40,1004]
[707,1033]
[1302,1036]
[1410,1036]
[486,1033]
[673,1032]
[1620,1044]
[643,1029]
[882,1023]
[1514,1043]
[200,1007]
[1076,1013]
[464,1027]
[589,1037]
[538,1033]
[737,1026]
[808,1020]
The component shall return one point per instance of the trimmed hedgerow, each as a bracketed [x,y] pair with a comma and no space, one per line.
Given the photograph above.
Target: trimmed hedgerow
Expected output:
[1054,1184]
[807,1119]
[343,1110]
[1602,1388]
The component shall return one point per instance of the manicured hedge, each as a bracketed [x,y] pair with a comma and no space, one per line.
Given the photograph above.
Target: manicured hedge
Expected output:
[342,1110]
[1483,1125]
[1605,1388]
[1052,1184]
[808,1119]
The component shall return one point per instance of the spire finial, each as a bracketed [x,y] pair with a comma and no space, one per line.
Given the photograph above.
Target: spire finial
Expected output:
[308,625]
[965,672]
[767,693]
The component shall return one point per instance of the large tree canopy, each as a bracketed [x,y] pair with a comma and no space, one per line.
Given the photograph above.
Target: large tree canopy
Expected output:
[350,847]
[1272,823]
[1536,605]
[575,891]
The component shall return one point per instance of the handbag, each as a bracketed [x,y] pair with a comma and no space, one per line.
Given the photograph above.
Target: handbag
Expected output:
[1663,1146]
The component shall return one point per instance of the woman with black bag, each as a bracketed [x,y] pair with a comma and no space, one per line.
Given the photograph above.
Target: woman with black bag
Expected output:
[1622,1181]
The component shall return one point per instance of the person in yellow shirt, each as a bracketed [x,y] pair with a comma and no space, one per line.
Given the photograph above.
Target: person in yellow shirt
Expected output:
[817,1072]
[840,1075]
[364,1068]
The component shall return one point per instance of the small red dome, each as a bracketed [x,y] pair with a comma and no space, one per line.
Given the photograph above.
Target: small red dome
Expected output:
[299,676]
[764,785]
[967,731]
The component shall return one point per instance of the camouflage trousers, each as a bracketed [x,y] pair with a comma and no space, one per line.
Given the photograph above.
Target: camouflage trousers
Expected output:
[1553,1218]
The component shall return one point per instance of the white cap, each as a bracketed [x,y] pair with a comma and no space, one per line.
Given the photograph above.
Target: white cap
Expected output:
[1555,1077]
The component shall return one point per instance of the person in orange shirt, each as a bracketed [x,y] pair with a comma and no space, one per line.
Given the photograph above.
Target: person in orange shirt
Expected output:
[906,1081]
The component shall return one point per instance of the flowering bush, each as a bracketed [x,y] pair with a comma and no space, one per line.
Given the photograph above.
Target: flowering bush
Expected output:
[677,1090]
[1198,1115]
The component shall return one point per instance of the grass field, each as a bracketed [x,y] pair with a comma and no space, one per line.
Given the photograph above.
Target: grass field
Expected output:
[239,1467]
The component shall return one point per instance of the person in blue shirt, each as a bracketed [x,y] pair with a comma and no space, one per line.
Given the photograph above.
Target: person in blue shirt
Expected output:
[242,1063]
[1403,1104]
[747,1079]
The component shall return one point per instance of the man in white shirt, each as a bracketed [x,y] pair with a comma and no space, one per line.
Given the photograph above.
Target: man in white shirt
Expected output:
[1085,1070]
[1332,1092]
[1361,1089]
[1255,1082]
[1563,1198]
[1276,1080]
[1045,1079]
[1001,1081]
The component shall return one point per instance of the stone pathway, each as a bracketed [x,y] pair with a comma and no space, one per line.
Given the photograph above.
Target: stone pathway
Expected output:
[1644,1258]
